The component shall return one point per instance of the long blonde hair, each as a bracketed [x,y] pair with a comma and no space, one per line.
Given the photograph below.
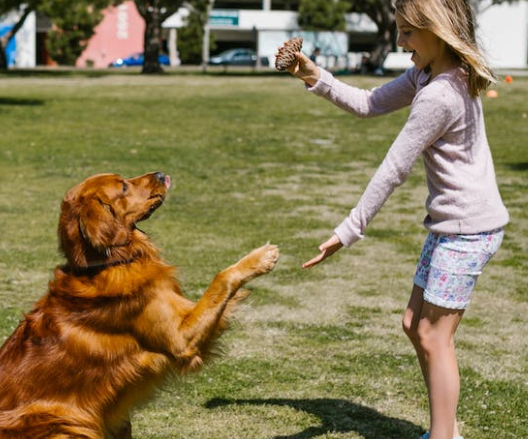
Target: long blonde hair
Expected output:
[452,21]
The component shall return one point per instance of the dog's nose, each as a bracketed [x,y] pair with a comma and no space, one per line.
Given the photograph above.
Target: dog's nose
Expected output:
[160,176]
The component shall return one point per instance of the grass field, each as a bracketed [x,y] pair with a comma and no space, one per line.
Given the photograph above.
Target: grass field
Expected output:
[314,354]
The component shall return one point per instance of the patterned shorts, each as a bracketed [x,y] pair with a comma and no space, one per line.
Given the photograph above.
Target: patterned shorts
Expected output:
[450,265]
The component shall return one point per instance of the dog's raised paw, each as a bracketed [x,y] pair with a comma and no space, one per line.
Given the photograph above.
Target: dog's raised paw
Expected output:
[270,257]
[262,260]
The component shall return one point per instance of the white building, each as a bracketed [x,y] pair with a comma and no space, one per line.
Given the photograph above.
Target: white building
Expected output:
[267,29]
[266,24]
[503,32]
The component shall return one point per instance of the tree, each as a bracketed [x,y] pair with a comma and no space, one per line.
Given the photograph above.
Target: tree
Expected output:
[382,14]
[73,26]
[322,15]
[155,12]
[190,37]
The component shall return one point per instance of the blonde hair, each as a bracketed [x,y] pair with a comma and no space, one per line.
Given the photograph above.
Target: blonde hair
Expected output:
[452,21]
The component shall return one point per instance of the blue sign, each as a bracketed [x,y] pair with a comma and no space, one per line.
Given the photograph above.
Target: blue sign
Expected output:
[219,17]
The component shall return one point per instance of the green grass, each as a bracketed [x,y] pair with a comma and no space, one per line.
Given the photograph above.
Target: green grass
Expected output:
[315,354]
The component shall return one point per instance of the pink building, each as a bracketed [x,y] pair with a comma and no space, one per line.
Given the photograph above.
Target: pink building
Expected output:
[119,35]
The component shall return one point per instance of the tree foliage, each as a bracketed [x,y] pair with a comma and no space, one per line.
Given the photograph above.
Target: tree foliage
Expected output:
[190,37]
[11,5]
[322,15]
[73,26]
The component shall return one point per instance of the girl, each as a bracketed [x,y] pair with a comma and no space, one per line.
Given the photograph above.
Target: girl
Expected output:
[465,213]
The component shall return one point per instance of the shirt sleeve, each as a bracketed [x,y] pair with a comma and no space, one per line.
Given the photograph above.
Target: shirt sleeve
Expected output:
[430,117]
[391,96]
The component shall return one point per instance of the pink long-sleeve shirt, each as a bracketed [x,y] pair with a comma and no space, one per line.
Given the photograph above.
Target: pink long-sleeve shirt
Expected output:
[446,127]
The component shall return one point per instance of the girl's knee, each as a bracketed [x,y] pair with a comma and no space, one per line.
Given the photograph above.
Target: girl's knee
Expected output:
[411,317]
[432,340]
[419,332]
[410,327]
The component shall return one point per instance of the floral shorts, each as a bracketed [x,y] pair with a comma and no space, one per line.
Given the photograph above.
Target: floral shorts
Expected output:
[450,265]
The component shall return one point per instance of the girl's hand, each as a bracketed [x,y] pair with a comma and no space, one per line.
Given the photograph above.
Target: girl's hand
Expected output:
[327,249]
[305,69]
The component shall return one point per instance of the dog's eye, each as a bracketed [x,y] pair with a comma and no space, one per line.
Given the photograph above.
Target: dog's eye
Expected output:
[125,187]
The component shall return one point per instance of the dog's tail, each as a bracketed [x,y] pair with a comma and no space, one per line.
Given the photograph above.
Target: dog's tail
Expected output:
[47,421]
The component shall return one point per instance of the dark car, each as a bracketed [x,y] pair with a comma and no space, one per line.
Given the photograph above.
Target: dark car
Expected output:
[237,57]
[137,60]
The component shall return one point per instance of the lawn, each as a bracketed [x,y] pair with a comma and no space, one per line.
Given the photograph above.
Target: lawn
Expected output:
[314,354]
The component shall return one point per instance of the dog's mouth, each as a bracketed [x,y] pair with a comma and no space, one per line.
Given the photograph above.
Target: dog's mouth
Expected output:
[157,197]
[156,201]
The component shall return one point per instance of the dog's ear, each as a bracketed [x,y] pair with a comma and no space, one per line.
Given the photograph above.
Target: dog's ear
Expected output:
[101,226]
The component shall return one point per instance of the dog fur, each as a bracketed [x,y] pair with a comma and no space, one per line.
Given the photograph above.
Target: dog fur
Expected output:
[114,322]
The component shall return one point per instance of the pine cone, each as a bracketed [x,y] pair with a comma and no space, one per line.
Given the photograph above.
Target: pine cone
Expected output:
[286,56]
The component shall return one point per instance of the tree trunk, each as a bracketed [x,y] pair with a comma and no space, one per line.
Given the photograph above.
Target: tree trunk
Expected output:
[152,14]
[153,40]
[384,42]
[383,15]
[3,55]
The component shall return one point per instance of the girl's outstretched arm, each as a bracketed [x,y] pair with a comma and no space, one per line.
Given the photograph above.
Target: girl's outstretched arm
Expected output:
[327,249]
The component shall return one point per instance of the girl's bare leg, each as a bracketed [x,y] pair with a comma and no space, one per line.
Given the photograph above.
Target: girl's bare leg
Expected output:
[431,330]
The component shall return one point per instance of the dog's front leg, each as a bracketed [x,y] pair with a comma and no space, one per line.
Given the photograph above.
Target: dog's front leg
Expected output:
[226,283]
[174,326]
[201,326]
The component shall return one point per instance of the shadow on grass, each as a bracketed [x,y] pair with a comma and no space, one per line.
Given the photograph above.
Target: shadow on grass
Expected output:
[336,416]
[523,166]
[21,101]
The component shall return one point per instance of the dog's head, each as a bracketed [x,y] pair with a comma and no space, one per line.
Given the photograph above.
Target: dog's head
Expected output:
[97,225]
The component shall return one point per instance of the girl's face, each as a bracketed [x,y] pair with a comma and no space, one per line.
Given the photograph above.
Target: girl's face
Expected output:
[427,49]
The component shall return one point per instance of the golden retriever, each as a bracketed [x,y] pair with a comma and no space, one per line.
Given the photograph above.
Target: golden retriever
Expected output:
[114,321]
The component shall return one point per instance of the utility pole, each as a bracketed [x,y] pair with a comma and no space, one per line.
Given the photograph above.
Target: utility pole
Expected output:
[206,36]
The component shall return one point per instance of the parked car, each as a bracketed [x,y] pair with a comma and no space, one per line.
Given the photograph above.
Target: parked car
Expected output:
[237,57]
[137,60]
